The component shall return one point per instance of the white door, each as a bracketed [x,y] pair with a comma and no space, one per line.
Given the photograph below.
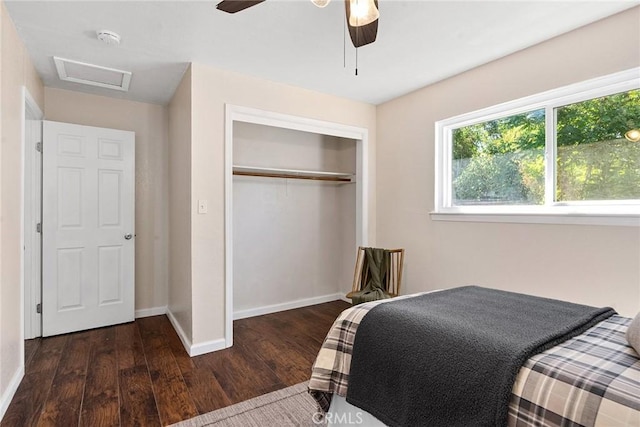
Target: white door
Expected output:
[87,227]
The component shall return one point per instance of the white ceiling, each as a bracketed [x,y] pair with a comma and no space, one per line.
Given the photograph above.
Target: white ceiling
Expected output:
[419,42]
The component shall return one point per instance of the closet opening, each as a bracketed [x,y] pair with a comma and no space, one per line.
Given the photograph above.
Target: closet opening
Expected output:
[295,213]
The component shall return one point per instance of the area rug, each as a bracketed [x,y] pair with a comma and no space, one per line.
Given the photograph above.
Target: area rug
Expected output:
[292,406]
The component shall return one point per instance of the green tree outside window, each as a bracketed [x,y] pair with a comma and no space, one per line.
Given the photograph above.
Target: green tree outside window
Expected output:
[502,161]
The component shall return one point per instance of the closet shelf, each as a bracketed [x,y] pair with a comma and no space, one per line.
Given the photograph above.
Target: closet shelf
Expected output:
[343,177]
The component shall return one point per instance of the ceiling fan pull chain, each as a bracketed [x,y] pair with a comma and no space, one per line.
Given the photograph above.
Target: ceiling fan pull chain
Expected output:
[344,45]
[357,39]
[356,61]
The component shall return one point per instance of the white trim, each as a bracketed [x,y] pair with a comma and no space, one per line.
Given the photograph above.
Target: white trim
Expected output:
[550,155]
[10,391]
[30,109]
[186,342]
[541,218]
[626,213]
[286,121]
[24,233]
[31,104]
[234,113]
[228,224]
[194,349]
[207,347]
[290,305]
[362,189]
[153,311]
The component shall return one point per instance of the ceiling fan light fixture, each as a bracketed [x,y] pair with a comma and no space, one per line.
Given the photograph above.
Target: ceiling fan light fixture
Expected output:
[363,12]
[320,3]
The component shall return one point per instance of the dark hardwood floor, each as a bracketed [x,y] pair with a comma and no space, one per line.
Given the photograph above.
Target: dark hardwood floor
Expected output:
[138,374]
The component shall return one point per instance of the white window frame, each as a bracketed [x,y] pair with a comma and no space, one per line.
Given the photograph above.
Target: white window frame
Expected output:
[623,213]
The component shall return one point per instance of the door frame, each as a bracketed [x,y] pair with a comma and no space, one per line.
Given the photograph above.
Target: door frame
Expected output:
[30,281]
[235,113]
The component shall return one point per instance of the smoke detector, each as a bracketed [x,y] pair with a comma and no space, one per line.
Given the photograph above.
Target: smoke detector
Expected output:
[108,37]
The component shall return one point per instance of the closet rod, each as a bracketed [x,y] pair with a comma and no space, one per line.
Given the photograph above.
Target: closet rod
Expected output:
[291,176]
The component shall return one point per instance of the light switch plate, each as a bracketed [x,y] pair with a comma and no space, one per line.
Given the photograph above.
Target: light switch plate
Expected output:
[202,206]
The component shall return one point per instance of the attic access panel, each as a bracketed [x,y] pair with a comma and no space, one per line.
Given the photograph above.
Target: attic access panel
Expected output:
[92,75]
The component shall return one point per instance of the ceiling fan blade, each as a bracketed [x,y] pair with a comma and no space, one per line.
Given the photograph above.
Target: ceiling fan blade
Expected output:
[233,6]
[365,34]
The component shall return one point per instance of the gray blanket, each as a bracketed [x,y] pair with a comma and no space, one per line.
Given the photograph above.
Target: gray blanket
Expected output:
[450,358]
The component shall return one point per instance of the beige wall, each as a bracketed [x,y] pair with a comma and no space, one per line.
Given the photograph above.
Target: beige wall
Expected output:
[150,123]
[211,89]
[597,265]
[180,205]
[16,71]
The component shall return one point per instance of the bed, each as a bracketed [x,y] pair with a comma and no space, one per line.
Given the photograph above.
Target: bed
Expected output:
[590,379]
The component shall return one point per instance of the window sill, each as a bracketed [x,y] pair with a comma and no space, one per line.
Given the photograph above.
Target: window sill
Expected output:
[611,219]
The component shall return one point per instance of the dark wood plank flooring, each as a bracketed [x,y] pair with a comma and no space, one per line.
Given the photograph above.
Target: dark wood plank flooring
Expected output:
[138,374]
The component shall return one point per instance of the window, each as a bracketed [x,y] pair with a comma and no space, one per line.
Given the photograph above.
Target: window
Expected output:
[594,160]
[499,162]
[563,152]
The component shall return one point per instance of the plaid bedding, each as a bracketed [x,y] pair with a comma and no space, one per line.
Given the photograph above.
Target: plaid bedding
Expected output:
[590,380]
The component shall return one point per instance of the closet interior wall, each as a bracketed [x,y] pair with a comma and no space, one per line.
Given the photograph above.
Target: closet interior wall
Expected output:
[293,240]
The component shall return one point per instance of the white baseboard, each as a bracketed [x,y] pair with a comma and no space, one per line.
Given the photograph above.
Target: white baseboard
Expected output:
[11,391]
[207,347]
[219,344]
[268,309]
[194,349]
[186,342]
[153,311]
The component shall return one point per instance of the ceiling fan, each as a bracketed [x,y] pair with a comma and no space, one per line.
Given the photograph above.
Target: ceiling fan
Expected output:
[362,16]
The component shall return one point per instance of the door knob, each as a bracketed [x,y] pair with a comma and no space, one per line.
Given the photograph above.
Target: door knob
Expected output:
[128,236]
